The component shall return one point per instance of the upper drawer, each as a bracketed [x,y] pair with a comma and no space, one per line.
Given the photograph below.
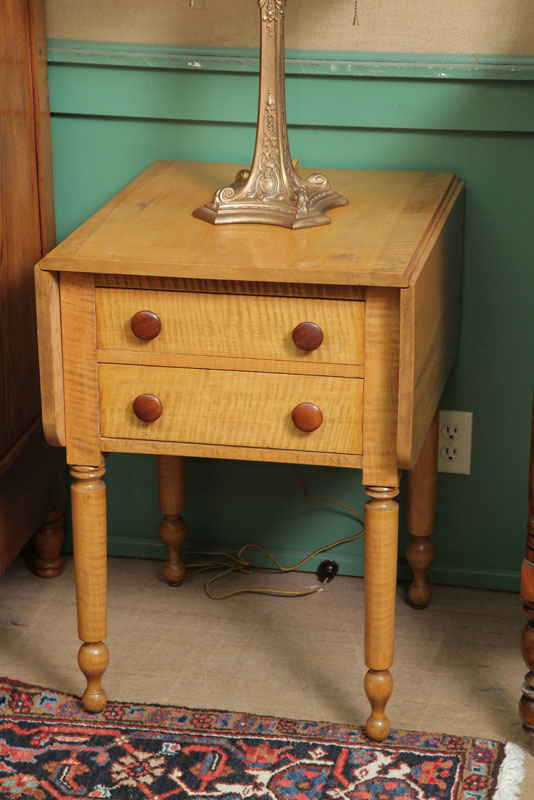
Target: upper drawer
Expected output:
[237,326]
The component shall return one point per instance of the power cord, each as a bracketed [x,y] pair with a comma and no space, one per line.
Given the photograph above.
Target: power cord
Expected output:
[238,563]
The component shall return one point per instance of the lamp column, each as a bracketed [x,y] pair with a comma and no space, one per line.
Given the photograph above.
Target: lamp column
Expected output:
[271,191]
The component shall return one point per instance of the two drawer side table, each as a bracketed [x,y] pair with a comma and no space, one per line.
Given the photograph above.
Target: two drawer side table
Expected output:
[159,333]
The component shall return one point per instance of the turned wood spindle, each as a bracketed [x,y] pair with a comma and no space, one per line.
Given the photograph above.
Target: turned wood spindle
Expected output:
[89,530]
[307,336]
[421,516]
[526,703]
[381,523]
[93,659]
[378,686]
[47,546]
[172,528]
[307,417]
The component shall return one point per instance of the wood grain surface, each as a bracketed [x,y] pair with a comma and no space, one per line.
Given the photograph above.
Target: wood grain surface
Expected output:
[32,484]
[148,229]
[20,226]
[302,367]
[145,325]
[152,447]
[381,523]
[244,409]
[80,369]
[430,328]
[307,416]
[29,470]
[50,356]
[421,512]
[88,498]
[172,528]
[231,325]
[381,536]
[270,289]
[381,388]
[89,533]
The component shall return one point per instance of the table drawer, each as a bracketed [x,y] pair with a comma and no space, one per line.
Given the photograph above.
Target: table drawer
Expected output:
[247,409]
[237,326]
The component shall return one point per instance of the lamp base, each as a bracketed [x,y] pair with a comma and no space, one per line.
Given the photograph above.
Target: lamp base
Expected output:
[262,199]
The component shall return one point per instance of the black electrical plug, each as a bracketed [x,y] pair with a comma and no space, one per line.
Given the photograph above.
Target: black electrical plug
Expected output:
[327,570]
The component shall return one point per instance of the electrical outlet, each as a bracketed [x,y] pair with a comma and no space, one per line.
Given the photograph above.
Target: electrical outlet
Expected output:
[454,451]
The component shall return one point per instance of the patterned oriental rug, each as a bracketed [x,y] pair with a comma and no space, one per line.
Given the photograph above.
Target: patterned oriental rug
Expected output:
[51,748]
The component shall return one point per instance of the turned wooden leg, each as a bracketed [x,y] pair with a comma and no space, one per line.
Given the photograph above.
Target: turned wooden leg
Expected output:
[172,529]
[47,545]
[88,496]
[380,577]
[526,703]
[421,516]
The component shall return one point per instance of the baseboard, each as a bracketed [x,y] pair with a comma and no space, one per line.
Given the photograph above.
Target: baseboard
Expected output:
[444,574]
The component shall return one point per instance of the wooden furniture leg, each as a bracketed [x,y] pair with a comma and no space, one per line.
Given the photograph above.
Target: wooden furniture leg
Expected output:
[88,497]
[526,703]
[381,522]
[172,528]
[421,516]
[47,544]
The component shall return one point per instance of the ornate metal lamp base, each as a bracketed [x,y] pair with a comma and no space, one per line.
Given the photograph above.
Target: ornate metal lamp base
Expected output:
[272,192]
[300,207]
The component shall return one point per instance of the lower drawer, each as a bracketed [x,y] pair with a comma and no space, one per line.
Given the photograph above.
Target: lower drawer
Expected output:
[247,409]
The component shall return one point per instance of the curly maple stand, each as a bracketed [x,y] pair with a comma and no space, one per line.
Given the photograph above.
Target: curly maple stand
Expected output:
[162,334]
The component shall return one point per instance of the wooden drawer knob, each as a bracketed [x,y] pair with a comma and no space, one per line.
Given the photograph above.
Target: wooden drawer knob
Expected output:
[147,407]
[145,325]
[308,336]
[307,417]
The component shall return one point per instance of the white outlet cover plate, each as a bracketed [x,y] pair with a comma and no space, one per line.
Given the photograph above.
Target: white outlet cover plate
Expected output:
[454,449]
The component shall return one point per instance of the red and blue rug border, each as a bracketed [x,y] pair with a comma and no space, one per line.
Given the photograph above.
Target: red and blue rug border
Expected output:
[482,759]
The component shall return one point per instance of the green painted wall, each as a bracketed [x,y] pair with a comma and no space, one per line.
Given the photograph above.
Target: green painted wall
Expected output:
[114,112]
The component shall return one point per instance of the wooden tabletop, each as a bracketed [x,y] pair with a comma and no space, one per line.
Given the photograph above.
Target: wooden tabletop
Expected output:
[148,229]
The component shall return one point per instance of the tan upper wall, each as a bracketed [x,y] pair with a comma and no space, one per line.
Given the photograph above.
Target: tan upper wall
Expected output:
[413,26]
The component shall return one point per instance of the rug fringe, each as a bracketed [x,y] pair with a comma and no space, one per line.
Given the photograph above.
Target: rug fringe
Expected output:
[511,773]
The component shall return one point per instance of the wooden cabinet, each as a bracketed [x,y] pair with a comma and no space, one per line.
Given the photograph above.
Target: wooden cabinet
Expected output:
[31,476]
[162,334]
